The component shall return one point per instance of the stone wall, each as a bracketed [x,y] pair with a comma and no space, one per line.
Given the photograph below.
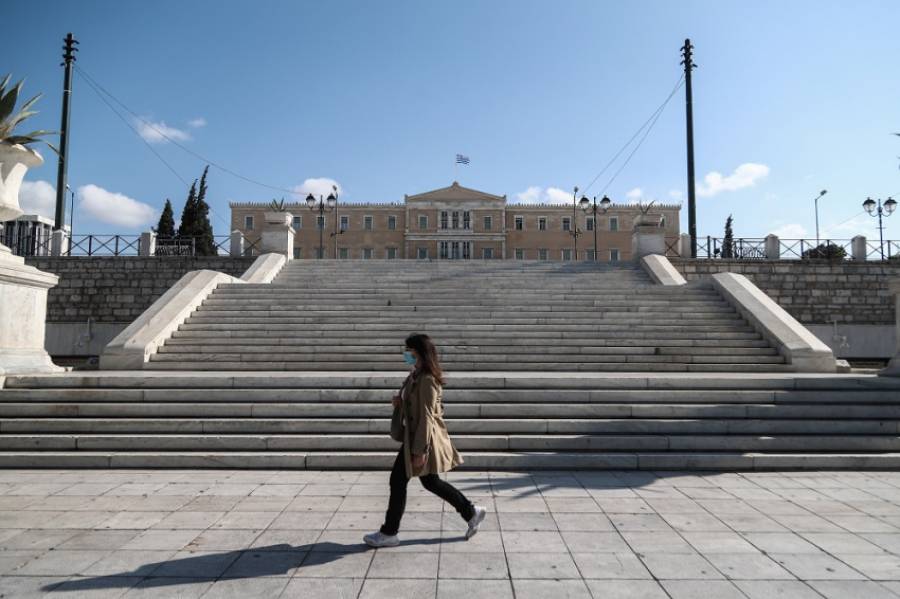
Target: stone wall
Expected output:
[119,288]
[852,293]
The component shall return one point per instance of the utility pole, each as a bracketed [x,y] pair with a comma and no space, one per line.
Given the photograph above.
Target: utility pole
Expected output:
[69,58]
[687,60]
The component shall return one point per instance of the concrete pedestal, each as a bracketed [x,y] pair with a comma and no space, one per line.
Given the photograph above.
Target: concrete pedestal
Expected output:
[23,312]
[647,240]
[893,367]
[278,235]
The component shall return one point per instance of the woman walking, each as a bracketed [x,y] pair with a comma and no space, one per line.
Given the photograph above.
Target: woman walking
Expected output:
[426,448]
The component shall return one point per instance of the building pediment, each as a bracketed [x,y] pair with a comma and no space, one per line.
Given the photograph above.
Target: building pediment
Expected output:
[455,193]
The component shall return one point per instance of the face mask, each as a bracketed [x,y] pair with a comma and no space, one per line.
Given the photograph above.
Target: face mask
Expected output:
[409,358]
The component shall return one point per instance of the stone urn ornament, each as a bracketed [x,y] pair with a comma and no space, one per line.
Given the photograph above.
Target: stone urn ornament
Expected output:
[15,155]
[23,288]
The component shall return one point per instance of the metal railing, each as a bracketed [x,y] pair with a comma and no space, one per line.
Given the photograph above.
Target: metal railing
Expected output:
[25,244]
[743,248]
[104,245]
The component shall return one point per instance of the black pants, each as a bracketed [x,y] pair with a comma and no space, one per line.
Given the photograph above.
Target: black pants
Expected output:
[432,482]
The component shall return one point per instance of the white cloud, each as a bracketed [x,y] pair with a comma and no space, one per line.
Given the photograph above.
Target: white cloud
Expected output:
[197,122]
[38,197]
[862,224]
[318,186]
[538,195]
[676,194]
[158,132]
[745,175]
[114,208]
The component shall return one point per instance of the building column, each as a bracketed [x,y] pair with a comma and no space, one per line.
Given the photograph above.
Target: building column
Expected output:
[859,248]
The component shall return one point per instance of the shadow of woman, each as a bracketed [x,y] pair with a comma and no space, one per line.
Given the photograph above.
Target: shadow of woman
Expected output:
[271,560]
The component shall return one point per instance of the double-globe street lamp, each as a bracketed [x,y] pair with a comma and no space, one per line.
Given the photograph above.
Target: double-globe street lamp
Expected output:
[587,206]
[323,205]
[878,210]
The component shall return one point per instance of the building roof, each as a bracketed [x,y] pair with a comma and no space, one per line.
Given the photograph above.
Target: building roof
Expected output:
[455,192]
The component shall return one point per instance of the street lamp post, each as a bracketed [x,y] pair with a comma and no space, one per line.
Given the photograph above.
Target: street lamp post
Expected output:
[71,216]
[878,210]
[604,206]
[816,201]
[574,223]
[323,206]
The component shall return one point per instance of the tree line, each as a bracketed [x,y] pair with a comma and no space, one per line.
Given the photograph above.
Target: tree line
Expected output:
[194,220]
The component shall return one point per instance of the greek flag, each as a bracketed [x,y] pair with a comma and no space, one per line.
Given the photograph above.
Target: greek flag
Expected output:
[460,159]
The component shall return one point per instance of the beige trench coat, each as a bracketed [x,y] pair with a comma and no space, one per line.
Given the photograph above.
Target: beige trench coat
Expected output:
[424,430]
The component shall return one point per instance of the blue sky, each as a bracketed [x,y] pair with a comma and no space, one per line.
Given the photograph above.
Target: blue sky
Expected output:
[790,98]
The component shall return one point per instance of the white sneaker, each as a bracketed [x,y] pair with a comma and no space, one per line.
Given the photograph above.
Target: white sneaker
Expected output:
[477,519]
[379,539]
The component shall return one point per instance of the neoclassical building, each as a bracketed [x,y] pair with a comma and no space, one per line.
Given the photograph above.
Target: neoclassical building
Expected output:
[458,223]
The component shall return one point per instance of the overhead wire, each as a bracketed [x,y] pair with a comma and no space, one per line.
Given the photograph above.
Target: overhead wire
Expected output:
[651,121]
[179,145]
[100,95]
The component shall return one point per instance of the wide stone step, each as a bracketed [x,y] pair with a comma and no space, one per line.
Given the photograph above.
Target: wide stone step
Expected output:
[447,350]
[458,426]
[473,460]
[699,328]
[542,381]
[464,443]
[552,367]
[451,359]
[452,411]
[200,339]
[452,396]
[728,336]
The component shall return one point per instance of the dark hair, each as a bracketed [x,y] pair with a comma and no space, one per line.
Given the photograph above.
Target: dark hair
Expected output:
[428,354]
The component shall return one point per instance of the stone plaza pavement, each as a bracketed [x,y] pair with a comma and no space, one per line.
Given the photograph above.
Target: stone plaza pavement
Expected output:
[601,534]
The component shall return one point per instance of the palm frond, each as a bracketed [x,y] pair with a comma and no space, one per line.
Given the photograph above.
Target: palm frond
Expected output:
[4,82]
[29,103]
[8,101]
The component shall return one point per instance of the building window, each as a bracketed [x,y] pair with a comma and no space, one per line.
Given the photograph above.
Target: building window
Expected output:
[392,223]
[368,253]
[662,221]
[613,223]
[487,253]
[543,254]
[589,255]
[296,253]
[520,223]
[613,255]
[488,223]
[298,222]
[248,223]
[520,254]
[567,254]
[445,219]
[467,221]
[344,253]
[443,250]
[345,223]
[320,222]
[542,223]
[320,253]
[392,253]
[367,223]
[423,221]
[589,223]
[455,217]
[422,253]
[466,249]
[567,223]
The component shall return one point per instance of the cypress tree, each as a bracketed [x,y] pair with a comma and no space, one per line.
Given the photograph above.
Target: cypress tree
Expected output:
[203,231]
[189,214]
[166,227]
[728,242]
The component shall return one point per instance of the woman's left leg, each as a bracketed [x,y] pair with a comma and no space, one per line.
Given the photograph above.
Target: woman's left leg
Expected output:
[450,494]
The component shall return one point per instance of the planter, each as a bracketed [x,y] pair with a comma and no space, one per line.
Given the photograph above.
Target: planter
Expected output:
[15,160]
